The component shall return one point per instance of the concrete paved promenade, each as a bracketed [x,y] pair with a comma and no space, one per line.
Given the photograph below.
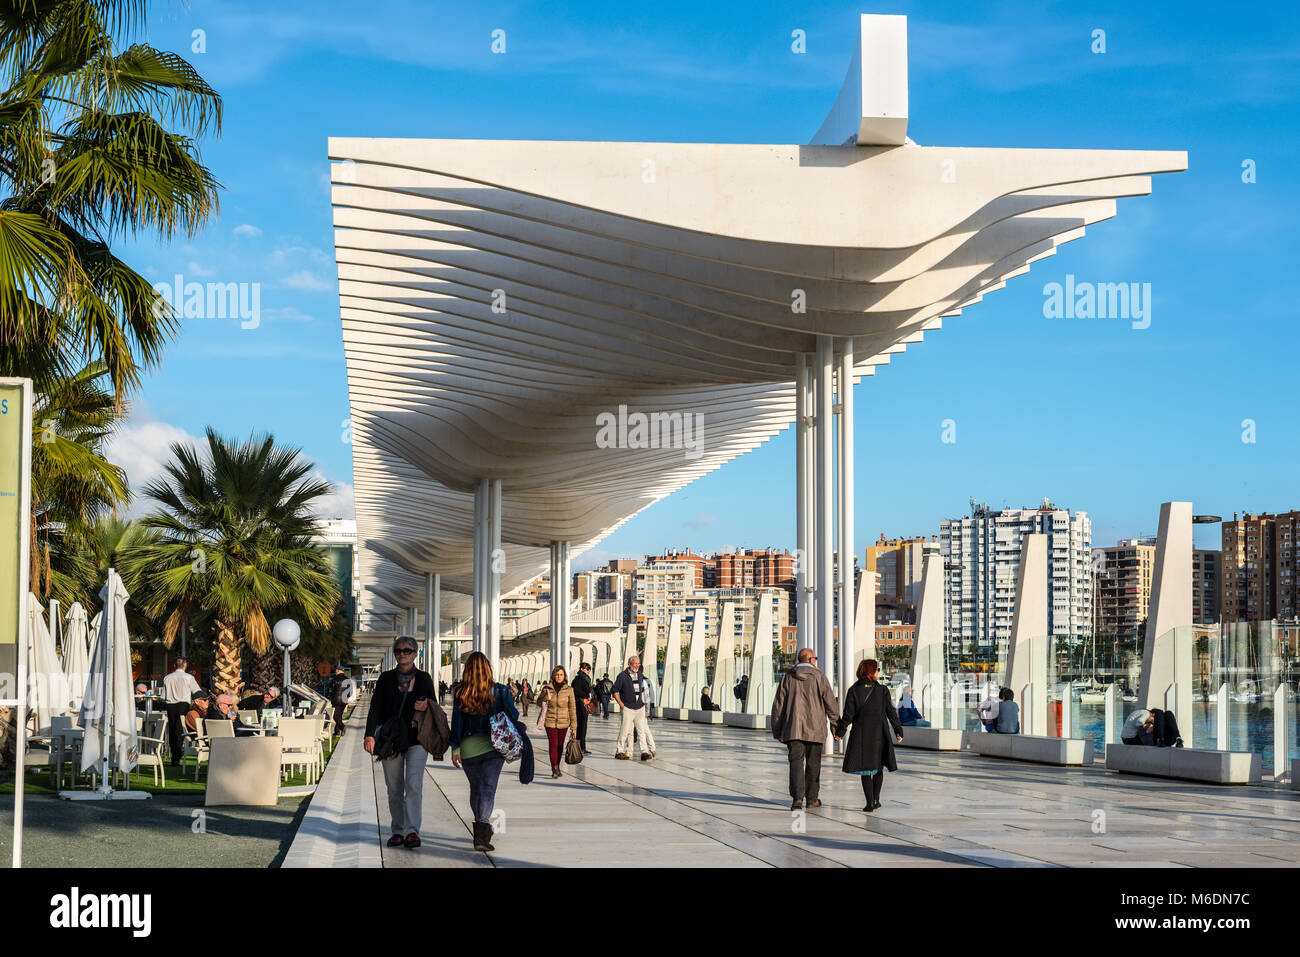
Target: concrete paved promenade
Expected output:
[716,797]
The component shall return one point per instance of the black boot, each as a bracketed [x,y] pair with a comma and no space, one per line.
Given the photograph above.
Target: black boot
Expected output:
[487,837]
[877,782]
[480,837]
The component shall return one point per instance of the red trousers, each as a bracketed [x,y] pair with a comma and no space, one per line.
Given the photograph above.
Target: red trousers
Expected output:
[555,738]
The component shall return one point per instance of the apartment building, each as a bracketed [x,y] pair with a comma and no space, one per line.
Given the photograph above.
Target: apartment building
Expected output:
[981,555]
[1259,567]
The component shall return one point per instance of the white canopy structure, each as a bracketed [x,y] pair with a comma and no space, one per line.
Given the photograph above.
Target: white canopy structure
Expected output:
[545,338]
[76,655]
[47,697]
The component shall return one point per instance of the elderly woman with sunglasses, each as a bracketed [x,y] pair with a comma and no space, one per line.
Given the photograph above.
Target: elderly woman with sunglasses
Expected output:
[400,692]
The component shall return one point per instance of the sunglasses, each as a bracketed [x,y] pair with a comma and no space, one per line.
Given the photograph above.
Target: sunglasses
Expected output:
[404,651]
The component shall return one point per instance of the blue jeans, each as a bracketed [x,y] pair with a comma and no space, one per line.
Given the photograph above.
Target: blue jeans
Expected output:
[483,772]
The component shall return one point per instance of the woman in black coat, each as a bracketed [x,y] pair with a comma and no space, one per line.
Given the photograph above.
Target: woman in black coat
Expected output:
[870,710]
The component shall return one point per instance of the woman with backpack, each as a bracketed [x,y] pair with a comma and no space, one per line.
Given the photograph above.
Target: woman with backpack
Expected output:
[869,709]
[561,715]
[478,701]
[399,693]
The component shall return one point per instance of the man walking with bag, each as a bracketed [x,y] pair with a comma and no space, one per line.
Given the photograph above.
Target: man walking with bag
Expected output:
[802,713]
[631,691]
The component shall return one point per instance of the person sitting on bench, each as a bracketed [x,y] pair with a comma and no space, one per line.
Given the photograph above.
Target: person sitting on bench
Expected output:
[1008,719]
[1139,728]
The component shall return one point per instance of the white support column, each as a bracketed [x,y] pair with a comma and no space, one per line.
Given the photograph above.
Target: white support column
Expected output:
[1222,702]
[846,545]
[479,642]
[762,689]
[1281,735]
[495,565]
[696,677]
[928,661]
[433,624]
[824,492]
[1112,723]
[864,625]
[724,666]
[1167,647]
[1027,649]
[671,689]
[803,555]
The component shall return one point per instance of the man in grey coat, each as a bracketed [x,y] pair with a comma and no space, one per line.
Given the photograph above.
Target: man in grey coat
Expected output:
[802,713]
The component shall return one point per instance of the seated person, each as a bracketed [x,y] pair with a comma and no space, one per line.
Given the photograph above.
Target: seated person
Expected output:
[1008,719]
[706,703]
[198,711]
[909,715]
[988,712]
[1164,729]
[224,707]
[270,698]
[141,696]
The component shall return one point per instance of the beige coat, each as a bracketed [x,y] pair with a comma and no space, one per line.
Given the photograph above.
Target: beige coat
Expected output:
[561,712]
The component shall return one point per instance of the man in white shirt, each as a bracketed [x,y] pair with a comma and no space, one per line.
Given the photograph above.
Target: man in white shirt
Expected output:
[178,689]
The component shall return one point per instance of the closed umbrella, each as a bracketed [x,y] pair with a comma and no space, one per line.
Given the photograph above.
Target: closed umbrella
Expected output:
[76,655]
[108,706]
[46,699]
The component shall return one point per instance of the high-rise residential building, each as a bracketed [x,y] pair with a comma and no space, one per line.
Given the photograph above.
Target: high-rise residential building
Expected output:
[900,563]
[660,590]
[1123,575]
[1258,570]
[699,564]
[982,557]
[752,568]
[1206,583]
[613,581]
[337,537]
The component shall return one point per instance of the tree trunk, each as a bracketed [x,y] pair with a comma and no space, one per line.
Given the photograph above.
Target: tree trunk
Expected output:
[8,737]
[227,666]
[268,668]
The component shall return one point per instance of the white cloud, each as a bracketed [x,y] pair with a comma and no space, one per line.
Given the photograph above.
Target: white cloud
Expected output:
[195,269]
[142,448]
[247,230]
[702,520]
[307,281]
[339,503]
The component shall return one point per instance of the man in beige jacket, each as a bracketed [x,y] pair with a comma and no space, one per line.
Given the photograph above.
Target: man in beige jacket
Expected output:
[803,711]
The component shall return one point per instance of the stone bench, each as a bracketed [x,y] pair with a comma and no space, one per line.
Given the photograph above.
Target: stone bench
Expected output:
[1190,764]
[705,717]
[933,739]
[739,719]
[1038,748]
[672,714]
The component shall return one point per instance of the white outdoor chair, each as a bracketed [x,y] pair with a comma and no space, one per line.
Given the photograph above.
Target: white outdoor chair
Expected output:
[196,746]
[298,746]
[149,747]
[249,717]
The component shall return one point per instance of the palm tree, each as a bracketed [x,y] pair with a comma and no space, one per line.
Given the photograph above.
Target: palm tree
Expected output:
[86,157]
[74,487]
[233,540]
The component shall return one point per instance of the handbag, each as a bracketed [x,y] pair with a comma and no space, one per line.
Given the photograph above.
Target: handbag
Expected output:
[390,741]
[505,736]
[573,751]
[591,706]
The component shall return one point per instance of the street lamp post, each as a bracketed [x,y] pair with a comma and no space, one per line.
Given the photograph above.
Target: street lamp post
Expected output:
[287,634]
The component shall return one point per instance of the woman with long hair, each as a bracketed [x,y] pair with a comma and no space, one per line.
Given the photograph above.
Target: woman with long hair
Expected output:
[561,715]
[870,749]
[399,693]
[478,698]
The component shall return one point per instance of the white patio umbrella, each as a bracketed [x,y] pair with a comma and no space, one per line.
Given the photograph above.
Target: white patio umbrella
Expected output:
[76,655]
[46,699]
[108,706]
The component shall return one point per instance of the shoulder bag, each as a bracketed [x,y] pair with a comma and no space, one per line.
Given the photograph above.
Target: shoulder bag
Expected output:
[391,737]
[505,736]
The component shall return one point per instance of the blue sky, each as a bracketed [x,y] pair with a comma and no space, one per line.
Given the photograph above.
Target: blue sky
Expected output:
[1091,413]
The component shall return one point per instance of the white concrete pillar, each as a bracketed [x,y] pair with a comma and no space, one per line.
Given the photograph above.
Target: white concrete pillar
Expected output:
[696,674]
[496,565]
[560,611]
[929,665]
[479,642]
[1067,710]
[724,668]
[803,555]
[1167,657]
[1281,735]
[1111,711]
[671,688]
[1027,649]
[433,624]
[762,688]
[824,492]
[848,623]
[1222,717]
[864,624]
